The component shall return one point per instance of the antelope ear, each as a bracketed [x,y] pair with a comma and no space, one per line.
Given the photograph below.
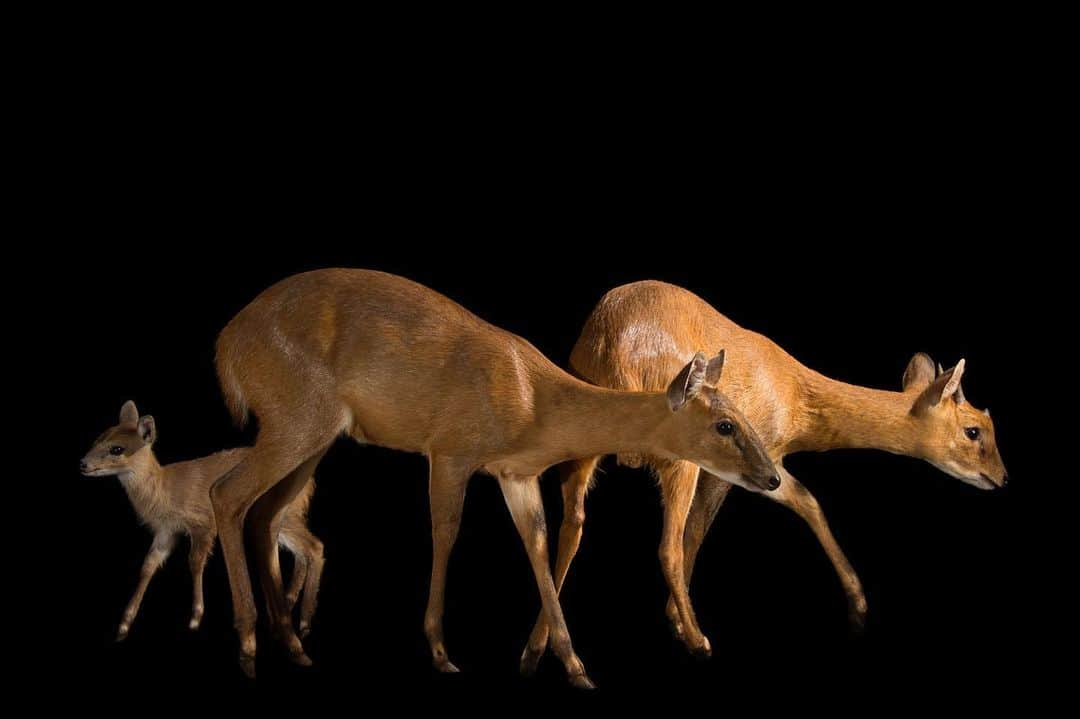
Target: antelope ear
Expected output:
[919,373]
[716,366]
[952,387]
[147,429]
[129,415]
[946,385]
[688,382]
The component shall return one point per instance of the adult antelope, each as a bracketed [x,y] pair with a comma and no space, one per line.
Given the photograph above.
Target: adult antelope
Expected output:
[389,362]
[641,333]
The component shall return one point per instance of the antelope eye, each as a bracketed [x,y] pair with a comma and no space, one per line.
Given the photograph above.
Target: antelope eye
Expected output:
[725,428]
[972,433]
[116,450]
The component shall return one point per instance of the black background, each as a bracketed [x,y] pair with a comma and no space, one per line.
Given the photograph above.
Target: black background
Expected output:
[855,217]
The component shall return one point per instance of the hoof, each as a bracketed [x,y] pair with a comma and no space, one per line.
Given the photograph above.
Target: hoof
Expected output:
[581,681]
[301,659]
[447,667]
[121,634]
[247,665]
[857,618]
[193,625]
[702,652]
[304,629]
[530,660]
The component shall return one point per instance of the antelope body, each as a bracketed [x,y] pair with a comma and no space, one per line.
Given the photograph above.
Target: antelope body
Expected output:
[174,499]
[389,362]
[639,334]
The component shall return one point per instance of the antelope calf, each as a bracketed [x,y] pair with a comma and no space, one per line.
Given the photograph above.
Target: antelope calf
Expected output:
[174,499]
[640,334]
[392,363]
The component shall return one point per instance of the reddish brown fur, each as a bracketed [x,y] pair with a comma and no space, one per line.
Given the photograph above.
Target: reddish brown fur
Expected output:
[174,499]
[638,336]
[390,362]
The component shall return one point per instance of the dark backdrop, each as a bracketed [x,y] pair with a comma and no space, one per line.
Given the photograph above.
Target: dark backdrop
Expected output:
[854,228]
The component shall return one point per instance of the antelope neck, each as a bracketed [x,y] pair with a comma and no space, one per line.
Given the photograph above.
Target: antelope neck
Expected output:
[584,420]
[837,415]
[146,474]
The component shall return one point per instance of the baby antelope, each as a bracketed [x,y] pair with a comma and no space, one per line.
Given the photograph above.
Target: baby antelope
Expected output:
[174,499]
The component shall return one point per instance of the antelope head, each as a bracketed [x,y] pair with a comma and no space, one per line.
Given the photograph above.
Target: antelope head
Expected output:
[954,436]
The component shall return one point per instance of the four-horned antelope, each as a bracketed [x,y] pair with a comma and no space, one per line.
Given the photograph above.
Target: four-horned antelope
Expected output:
[389,362]
[174,499]
[640,334]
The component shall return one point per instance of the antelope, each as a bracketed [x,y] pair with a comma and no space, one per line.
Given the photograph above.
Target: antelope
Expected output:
[640,333]
[174,499]
[389,362]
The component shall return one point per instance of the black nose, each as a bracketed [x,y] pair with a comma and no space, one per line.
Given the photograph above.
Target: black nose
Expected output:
[774,482]
[83,466]
[1004,479]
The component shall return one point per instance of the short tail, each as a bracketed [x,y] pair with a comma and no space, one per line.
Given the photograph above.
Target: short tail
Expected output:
[225,361]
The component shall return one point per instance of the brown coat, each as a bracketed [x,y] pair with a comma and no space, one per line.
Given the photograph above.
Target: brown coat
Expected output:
[174,499]
[390,362]
[638,335]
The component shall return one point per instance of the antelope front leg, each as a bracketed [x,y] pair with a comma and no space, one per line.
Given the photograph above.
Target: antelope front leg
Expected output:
[447,489]
[574,487]
[160,549]
[793,495]
[678,488]
[522,495]
[709,496]
[200,551]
